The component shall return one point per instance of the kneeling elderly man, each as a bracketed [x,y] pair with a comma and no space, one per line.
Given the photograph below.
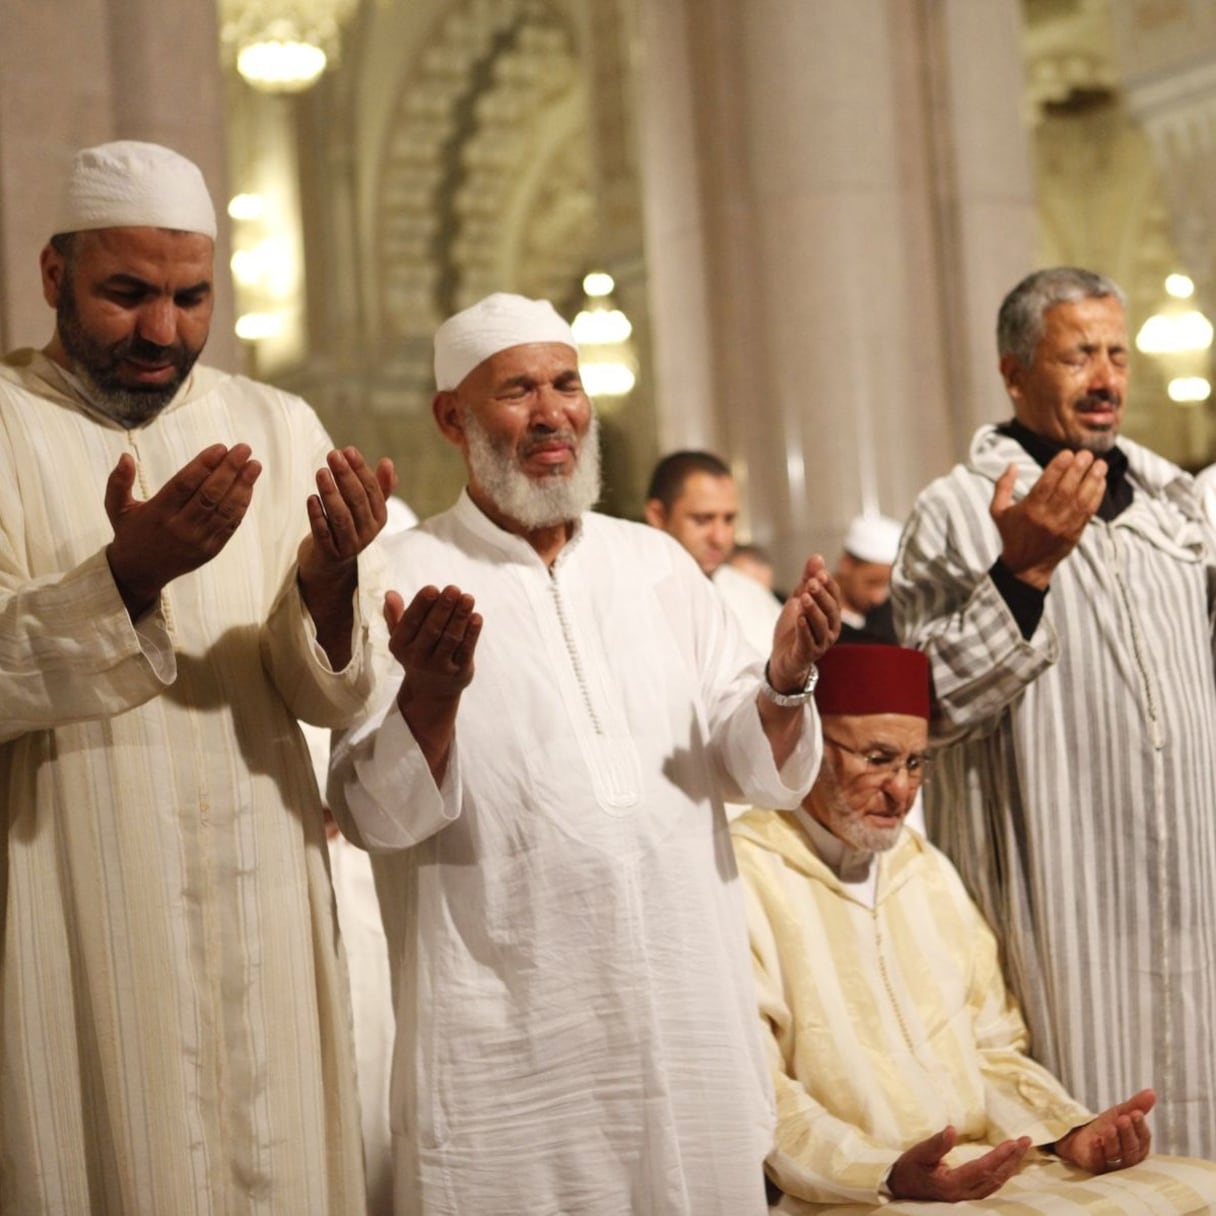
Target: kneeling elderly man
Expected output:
[898,1056]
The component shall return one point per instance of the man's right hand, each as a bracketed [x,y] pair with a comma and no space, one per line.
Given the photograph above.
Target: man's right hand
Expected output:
[434,640]
[921,1174]
[1041,530]
[181,527]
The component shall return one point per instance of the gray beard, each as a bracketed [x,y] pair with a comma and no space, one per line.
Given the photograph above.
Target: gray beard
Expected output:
[533,503]
[1100,443]
[127,407]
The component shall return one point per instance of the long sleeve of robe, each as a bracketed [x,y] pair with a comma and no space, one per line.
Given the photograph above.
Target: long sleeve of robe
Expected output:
[574,1008]
[174,1034]
[1078,793]
[883,1025]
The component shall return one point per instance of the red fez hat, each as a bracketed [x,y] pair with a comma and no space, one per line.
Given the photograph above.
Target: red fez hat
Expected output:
[873,679]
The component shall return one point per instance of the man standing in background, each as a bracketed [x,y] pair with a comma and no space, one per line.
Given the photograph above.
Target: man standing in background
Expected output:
[863,574]
[693,497]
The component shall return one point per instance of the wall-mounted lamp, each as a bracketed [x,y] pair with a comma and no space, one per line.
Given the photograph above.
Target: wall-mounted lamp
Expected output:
[1180,337]
[607,361]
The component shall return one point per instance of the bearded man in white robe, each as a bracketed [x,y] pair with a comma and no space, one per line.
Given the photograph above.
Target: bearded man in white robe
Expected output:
[575,1032]
[898,1057]
[182,569]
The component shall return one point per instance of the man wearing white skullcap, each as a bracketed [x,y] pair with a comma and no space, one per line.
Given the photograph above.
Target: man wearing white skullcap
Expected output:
[863,571]
[127,184]
[575,1030]
[178,583]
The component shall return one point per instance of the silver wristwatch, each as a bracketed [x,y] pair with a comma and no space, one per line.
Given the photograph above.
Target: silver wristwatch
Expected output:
[790,700]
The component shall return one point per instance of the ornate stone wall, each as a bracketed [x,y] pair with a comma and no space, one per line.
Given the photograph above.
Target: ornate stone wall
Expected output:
[464,162]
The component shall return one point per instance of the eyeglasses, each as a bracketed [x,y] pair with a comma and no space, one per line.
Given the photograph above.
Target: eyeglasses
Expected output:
[881,764]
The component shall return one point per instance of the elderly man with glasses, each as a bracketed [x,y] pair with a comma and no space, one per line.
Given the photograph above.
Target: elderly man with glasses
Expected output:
[899,1059]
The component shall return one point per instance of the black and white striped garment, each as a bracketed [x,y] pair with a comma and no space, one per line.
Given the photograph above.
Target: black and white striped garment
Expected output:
[1077,790]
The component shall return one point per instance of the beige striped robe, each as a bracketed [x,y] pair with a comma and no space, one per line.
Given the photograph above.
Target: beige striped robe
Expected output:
[885,1024]
[174,1035]
[1079,796]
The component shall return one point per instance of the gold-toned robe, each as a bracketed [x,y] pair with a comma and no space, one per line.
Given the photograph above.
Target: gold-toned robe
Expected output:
[174,1032]
[885,1024]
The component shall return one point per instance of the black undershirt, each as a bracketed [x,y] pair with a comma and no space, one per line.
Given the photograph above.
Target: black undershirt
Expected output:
[1026,602]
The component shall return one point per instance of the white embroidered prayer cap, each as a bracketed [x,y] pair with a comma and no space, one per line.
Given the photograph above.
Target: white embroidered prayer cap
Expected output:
[129,184]
[498,322]
[873,538]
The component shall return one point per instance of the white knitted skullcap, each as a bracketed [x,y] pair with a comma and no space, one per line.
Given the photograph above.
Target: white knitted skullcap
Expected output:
[128,184]
[873,538]
[496,323]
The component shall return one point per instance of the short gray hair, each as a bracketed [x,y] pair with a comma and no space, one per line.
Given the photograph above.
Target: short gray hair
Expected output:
[1019,324]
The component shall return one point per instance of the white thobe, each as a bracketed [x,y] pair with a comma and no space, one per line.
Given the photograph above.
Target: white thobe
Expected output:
[576,1031]
[754,606]
[174,1030]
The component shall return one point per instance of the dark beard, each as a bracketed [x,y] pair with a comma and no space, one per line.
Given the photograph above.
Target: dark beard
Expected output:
[97,366]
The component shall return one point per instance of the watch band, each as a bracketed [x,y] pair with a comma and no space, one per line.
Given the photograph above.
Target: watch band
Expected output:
[790,700]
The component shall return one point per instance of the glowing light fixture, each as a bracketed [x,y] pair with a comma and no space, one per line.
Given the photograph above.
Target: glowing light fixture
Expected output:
[247,207]
[606,359]
[281,65]
[1180,286]
[282,46]
[607,379]
[1171,333]
[255,326]
[1189,390]
[1179,337]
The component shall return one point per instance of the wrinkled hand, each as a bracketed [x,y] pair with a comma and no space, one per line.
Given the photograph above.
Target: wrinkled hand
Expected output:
[182,526]
[344,516]
[921,1174]
[809,623]
[1117,1138]
[1041,530]
[434,640]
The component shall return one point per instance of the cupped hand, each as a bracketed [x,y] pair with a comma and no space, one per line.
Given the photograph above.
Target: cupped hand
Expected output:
[809,623]
[1115,1139]
[346,514]
[921,1173]
[182,526]
[1039,531]
[434,640]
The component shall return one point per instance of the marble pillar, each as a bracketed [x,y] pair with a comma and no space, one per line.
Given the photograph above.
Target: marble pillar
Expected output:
[80,72]
[837,196]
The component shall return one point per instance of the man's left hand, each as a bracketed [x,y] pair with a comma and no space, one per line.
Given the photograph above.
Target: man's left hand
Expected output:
[1117,1138]
[344,517]
[808,625]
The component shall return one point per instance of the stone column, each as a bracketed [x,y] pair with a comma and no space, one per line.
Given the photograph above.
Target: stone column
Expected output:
[80,72]
[838,195]
[1167,59]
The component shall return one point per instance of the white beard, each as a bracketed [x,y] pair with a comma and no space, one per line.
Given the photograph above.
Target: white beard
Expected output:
[533,503]
[849,825]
